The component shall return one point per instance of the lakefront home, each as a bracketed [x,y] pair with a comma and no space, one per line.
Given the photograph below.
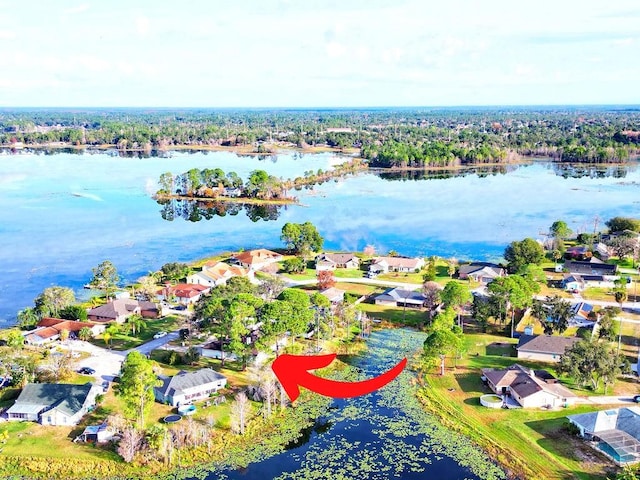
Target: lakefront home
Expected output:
[186,387]
[527,387]
[53,404]
[119,310]
[256,259]
[331,261]
[544,348]
[217,273]
[615,432]
[184,293]
[49,329]
[396,264]
[399,297]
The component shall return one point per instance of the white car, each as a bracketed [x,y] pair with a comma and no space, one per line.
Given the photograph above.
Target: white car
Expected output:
[160,334]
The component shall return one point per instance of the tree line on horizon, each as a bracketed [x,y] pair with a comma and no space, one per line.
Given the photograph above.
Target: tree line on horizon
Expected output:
[388,138]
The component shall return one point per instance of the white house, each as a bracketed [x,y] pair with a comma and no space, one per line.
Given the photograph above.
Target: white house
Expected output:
[53,404]
[186,387]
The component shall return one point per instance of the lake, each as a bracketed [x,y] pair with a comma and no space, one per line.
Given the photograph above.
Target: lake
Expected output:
[62,214]
[386,434]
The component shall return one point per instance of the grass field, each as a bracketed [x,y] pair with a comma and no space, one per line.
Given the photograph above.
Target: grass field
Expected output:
[124,340]
[532,443]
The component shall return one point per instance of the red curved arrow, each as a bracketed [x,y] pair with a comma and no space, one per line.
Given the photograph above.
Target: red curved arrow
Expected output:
[292,371]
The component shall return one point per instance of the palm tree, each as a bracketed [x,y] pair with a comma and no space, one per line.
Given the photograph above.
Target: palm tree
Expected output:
[136,323]
[106,336]
[85,334]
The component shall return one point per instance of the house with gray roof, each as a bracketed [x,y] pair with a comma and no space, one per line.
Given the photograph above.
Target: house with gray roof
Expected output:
[400,297]
[331,261]
[527,387]
[545,348]
[53,403]
[593,266]
[186,387]
[482,272]
[616,432]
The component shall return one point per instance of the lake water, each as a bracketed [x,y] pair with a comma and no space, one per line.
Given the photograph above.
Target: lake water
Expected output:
[62,214]
[386,434]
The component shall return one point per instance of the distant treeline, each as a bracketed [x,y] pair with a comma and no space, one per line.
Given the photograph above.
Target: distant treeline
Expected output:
[388,137]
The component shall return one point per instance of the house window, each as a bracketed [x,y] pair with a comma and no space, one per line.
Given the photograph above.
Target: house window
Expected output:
[49,419]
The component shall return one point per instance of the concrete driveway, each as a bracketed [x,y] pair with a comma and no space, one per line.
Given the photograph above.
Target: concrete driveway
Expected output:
[105,362]
[147,348]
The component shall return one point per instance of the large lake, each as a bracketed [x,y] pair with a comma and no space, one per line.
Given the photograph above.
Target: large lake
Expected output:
[62,214]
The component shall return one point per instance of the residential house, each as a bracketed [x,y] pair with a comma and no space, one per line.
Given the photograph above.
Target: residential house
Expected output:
[576,282]
[481,272]
[184,293]
[616,432]
[331,261]
[579,252]
[544,348]
[256,259]
[603,251]
[527,387]
[583,315]
[186,387]
[217,273]
[396,264]
[399,297]
[53,404]
[593,266]
[49,329]
[334,295]
[119,310]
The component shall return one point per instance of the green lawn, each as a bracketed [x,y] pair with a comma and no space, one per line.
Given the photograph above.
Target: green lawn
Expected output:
[34,440]
[395,315]
[125,340]
[532,442]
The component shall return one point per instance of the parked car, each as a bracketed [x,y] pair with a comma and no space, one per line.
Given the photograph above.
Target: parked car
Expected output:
[160,334]
[105,386]
[86,371]
[636,399]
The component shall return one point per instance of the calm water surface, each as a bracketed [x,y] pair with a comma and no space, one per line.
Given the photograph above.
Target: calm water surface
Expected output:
[61,215]
[382,435]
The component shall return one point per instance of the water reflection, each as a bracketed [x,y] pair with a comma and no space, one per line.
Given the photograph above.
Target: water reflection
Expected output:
[196,210]
[573,170]
[435,174]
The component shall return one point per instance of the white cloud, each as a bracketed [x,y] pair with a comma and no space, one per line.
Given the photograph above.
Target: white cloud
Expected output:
[142,25]
[77,9]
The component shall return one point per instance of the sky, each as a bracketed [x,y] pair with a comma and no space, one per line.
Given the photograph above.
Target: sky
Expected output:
[308,53]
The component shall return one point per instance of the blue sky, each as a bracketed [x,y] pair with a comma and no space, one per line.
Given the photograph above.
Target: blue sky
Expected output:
[301,53]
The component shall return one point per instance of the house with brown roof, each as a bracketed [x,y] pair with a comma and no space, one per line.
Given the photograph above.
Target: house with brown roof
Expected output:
[396,264]
[217,273]
[527,387]
[120,309]
[256,259]
[545,348]
[49,329]
[185,293]
[331,261]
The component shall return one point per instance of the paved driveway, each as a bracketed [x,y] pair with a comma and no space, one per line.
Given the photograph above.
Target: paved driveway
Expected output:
[147,348]
[105,362]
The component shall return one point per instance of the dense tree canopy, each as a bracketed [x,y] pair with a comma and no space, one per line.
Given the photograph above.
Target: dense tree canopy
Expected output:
[520,253]
[302,238]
